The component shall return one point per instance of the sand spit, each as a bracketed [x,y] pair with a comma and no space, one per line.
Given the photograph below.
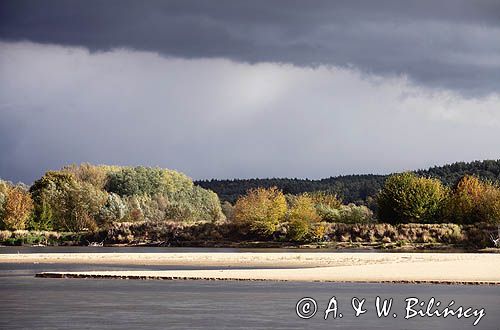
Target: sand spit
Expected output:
[447,268]
[250,259]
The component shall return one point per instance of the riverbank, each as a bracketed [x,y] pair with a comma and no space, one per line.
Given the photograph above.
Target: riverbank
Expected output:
[447,268]
[372,236]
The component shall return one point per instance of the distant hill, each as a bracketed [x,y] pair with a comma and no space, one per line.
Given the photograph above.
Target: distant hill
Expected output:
[352,188]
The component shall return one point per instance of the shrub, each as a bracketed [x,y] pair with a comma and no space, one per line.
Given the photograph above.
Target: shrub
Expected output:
[319,231]
[228,210]
[261,209]
[327,214]
[407,198]
[352,213]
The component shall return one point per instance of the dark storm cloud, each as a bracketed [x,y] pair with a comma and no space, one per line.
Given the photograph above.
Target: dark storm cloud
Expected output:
[220,118]
[447,44]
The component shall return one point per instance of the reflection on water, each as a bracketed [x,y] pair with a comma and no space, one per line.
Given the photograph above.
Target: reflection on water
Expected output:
[37,303]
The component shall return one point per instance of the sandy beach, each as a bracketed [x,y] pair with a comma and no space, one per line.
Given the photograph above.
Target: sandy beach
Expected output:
[460,268]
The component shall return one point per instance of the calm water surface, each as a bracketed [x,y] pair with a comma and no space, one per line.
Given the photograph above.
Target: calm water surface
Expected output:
[27,302]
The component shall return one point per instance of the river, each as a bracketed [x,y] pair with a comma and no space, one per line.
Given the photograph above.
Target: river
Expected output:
[37,303]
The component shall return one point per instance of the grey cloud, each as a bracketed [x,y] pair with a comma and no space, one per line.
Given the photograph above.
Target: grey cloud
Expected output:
[452,44]
[220,118]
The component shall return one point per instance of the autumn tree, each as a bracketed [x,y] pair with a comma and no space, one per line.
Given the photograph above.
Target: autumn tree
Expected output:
[16,207]
[4,191]
[301,217]
[95,175]
[473,201]
[262,210]
[325,199]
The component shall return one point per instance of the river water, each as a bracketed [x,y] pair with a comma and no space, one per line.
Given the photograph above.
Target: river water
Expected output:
[27,302]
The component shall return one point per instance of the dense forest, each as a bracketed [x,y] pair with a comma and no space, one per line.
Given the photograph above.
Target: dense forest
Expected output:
[351,188]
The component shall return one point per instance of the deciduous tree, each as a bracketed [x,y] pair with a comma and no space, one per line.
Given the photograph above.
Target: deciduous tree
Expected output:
[261,209]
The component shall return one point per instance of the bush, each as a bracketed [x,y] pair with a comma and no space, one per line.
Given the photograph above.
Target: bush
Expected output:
[407,198]
[352,213]
[228,210]
[261,210]
[326,213]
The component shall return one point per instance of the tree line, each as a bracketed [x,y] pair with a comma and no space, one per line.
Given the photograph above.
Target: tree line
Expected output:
[88,198]
[359,189]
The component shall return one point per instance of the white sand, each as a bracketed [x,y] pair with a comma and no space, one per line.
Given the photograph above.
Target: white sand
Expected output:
[343,267]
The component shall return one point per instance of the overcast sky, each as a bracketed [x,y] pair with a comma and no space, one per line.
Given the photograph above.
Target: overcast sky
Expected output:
[225,89]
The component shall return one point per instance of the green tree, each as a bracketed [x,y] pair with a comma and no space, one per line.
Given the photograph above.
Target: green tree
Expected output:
[41,191]
[407,198]
[132,181]
[76,206]
[115,209]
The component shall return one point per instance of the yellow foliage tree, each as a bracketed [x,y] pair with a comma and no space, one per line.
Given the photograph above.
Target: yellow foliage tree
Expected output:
[302,216]
[261,209]
[17,209]
[473,201]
